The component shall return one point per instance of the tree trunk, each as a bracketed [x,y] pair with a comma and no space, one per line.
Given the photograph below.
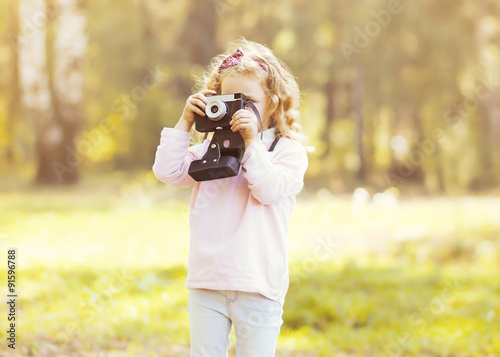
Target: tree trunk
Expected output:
[330,88]
[200,31]
[70,46]
[36,96]
[489,75]
[197,40]
[51,54]
[418,173]
[357,109]
[14,107]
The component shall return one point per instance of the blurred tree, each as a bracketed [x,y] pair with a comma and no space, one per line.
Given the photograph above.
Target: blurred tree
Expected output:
[35,85]
[330,90]
[487,37]
[69,48]
[14,108]
[51,56]
[408,73]
[199,35]
[358,89]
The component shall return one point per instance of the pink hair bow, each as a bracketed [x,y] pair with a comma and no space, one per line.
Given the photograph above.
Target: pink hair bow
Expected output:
[235,58]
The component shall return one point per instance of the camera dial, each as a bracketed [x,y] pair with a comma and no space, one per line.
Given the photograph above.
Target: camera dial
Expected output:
[216,110]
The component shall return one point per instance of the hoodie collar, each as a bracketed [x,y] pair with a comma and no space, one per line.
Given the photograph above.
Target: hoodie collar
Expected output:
[268,135]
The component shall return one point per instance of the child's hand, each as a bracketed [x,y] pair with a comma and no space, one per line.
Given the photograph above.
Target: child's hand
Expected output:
[194,104]
[247,122]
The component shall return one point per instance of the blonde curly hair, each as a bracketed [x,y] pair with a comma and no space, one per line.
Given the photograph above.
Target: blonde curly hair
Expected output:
[278,84]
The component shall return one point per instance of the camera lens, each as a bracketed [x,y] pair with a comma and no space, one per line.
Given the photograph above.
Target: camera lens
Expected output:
[216,110]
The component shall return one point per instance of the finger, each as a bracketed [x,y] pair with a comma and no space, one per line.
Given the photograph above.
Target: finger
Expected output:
[243,128]
[196,110]
[198,102]
[239,127]
[242,125]
[241,111]
[208,91]
[239,121]
[240,115]
[201,97]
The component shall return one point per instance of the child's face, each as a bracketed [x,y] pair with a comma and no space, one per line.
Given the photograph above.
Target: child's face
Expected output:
[253,91]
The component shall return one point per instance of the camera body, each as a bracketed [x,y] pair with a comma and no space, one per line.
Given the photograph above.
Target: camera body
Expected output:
[219,111]
[226,148]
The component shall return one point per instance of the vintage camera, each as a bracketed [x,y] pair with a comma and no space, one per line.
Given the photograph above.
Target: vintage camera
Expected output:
[219,111]
[226,148]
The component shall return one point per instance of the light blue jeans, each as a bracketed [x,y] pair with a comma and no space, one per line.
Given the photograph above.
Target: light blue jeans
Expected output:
[257,322]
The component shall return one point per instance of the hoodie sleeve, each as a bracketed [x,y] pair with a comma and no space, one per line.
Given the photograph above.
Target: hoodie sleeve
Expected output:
[173,157]
[272,178]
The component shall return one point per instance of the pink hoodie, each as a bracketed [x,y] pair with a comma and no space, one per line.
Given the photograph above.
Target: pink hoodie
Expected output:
[238,225]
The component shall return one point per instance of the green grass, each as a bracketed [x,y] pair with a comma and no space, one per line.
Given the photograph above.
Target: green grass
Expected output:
[101,271]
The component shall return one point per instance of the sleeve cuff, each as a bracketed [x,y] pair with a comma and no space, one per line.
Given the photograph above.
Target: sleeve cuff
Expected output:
[248,151]
[175,133]
[170,134]
[256,163]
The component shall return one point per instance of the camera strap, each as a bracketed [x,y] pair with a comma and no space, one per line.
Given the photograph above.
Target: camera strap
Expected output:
[252,106]
[273,145]
[254,109]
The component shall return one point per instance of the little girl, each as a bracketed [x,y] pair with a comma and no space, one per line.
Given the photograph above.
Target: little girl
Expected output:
[238,268]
